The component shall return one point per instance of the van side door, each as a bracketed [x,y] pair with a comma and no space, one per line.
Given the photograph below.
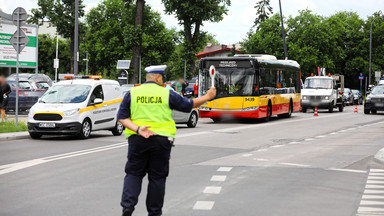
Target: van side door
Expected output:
[97,110]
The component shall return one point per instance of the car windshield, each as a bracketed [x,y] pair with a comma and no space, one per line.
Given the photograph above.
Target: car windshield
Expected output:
[66,94]
[378,90]
[318,83]
[22,85]
[42,85]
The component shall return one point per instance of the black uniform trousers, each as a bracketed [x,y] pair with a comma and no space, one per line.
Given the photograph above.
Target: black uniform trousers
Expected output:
[146,156]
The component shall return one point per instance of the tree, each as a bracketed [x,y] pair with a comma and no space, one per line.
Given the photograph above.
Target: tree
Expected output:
[139,39]
[111,36]
[264,11]
[191,14]
[47,52]
[61,14]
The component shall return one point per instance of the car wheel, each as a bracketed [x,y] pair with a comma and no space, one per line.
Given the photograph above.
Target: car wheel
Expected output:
[373,111]
[367,111]
[118,129]
[85,130]
[34,135]
[304,109]
[341,108]
[192,122]
[330,109]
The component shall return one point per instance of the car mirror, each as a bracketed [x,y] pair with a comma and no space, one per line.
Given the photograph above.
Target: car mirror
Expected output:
[97,101]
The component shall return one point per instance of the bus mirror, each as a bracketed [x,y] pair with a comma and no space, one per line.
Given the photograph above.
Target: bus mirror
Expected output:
[262,72]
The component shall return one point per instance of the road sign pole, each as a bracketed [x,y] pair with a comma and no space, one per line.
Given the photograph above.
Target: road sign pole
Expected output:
[57,55]
[76,40]
[17,67]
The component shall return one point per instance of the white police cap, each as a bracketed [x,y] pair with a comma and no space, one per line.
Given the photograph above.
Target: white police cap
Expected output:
[156,69]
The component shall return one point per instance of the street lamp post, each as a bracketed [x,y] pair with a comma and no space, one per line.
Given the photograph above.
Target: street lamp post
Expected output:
[76,40]
[370,51]
[283,31]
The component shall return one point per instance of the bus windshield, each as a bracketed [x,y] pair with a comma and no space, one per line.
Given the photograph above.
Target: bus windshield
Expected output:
[66,94]
[231,82]
[318,83]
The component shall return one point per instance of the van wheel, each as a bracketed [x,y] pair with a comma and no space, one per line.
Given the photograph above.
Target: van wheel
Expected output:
[341,107]
[192,122]
[35,135]
[118,129]
[85,130]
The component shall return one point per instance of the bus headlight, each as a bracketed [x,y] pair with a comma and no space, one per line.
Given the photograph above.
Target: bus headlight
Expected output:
[71,112]
[250,109]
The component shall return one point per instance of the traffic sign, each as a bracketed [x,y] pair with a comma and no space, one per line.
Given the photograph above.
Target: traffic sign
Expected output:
[55,63]
[19,14]
[361,77]
[23,40]
[212,73]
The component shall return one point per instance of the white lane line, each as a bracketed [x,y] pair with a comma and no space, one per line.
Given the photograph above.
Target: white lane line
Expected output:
[309,139]
[321,136]
[347,170]
[219,178]
[376,174]
[374,186]
[377,170]
[375,182]
[375,177]
[262,150]
[334,133]
[369,209]
[224,169]
[292,143]
[369,202]
[26,164]
[212,190]
[260,159]
[277,146]
[372,197]
[203,205]
[342,131]
[374,192]
[294,164]
[247,155]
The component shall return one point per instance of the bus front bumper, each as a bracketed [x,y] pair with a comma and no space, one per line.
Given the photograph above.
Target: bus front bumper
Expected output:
[260,112]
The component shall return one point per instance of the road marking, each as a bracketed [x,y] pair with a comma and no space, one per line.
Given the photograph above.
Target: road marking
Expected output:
[8,168]
[374,192]
[277,146]
[342,131]
[292,143]
[334,133]
[372,197]
[203,205]
[262,150]
[219,178]
[293,164]
[224,169]
[376,174]
[368,202]
[260,159]
[212,190]
[374,186]
[321,136]
[309,139]
[375,182]
[369,209]
[377,170]
[247,155]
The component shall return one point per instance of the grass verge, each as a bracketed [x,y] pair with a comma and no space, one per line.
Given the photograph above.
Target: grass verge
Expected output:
[10,126]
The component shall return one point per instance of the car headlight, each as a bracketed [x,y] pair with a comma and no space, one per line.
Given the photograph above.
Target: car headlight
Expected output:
[250,108]
[326,97]
[71,112]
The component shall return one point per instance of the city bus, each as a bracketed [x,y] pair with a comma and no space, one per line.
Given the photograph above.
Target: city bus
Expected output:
[250,86]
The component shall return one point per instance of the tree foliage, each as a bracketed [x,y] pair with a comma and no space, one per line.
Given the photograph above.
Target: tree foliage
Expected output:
[264,11]
[111,36]
[191,14]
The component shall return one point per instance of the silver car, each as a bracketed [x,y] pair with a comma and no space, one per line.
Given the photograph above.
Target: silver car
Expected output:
[190,118]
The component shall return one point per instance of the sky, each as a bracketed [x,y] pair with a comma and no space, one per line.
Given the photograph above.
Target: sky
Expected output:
[241,13]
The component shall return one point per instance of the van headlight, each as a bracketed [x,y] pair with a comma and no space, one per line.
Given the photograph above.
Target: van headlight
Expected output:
[304,97]
[31,113]
[326,97]
[71,112]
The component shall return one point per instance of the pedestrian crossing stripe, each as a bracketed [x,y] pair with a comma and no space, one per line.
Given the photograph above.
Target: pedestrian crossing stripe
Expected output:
[372,201]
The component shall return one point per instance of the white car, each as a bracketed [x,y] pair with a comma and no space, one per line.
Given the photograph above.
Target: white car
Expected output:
[77,107]
[190,118]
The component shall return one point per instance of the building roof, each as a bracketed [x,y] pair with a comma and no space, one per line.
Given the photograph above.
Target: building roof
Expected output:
[210,50]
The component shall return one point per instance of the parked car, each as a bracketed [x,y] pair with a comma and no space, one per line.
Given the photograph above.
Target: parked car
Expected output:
[126,88]
[40,82]
[27,96]
[348,96]
[357,97]
[375,100]
[381,82]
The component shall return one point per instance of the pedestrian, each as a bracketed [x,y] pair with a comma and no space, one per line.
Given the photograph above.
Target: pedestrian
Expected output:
[184,86]
[5,90]
[169,86]
[196,89]
[179,86]
[146,113]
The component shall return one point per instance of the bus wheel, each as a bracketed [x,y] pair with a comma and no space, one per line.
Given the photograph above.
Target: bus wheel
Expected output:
[289,114]
[269,111]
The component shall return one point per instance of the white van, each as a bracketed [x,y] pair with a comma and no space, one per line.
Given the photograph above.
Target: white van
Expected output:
[77,107]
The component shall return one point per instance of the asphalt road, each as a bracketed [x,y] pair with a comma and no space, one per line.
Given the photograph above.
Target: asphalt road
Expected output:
[301,166]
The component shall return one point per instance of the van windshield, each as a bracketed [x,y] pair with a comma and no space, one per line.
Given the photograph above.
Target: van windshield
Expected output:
[66,94]
[313,83]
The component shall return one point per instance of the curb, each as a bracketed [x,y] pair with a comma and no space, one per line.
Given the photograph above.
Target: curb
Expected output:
[13,136]
[379,156]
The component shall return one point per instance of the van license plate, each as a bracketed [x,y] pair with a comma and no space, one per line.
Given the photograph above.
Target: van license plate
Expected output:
[47,125]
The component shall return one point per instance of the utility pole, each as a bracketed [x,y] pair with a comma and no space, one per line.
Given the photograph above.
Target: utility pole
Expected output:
[76,40]
[57,56]
[283,31]
[370,51]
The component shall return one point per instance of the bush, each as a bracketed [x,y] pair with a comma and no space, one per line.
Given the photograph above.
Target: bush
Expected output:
[10,126]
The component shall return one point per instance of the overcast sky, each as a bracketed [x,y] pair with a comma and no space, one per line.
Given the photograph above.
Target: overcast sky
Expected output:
[241,13]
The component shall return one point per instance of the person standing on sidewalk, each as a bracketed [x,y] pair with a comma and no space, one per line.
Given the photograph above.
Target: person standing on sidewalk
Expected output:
[146,113]
[5,90]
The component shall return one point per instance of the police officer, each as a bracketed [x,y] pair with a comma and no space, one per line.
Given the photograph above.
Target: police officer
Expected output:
[146,113]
